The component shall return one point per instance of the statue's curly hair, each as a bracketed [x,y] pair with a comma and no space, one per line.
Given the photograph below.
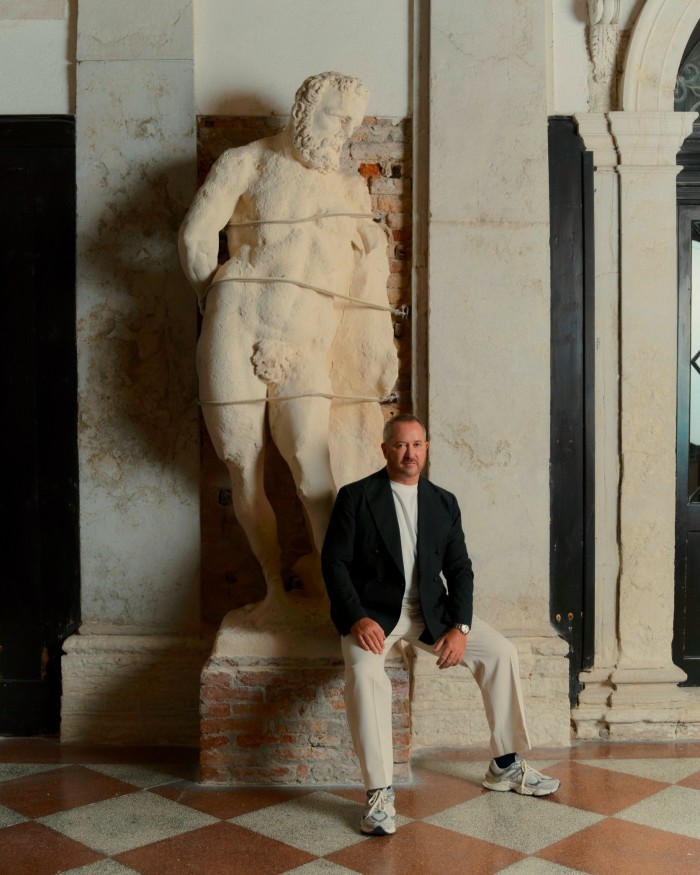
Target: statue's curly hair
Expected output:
[308,95]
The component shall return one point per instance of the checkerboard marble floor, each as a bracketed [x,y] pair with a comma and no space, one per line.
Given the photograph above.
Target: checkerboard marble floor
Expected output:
[621,808]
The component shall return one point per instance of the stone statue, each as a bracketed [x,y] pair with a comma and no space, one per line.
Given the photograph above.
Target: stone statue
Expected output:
[296,324]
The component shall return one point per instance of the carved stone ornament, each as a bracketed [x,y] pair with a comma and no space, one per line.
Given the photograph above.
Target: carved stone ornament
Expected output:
[603,16]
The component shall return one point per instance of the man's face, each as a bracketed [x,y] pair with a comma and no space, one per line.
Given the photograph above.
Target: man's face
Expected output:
[330,124]
[405,452]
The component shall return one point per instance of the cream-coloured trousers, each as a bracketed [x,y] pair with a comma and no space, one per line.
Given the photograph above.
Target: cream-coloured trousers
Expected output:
[490,657]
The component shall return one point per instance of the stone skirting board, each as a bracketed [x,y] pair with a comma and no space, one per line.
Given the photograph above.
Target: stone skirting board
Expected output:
[639,705]
[446,706]
[131,689]
[272,708]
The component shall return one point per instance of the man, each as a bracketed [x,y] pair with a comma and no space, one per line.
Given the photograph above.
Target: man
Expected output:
[296,315]
[396,566]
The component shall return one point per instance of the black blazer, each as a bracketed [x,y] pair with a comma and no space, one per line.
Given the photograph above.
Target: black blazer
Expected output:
[363,566]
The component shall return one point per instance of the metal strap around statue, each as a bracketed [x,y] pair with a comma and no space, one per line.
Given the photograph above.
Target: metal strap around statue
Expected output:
[397,311]
[392,397]
[304,219]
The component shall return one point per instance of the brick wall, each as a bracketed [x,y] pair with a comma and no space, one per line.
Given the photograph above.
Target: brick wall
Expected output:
[283,722]
[380,150]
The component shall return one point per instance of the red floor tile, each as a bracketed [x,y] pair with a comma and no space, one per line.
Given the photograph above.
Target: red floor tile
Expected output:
[58,790]
[589,750]
[602,791]
[692,781]
[615,846]
[220,849]
[432,792]
[33,849]
[228,802]
[419,848]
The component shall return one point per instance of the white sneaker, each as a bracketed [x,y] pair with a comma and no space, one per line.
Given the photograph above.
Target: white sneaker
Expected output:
[520,778]
[379,813]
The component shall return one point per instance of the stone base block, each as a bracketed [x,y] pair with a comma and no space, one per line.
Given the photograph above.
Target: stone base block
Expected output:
[447,709]
[640,705]
[272,709]
[131,689]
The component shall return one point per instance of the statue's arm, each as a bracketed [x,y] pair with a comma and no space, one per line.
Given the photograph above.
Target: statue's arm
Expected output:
[209,212]
[369,284]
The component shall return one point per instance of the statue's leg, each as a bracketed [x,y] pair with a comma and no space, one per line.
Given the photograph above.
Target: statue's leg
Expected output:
[239,441]
[300,430]
[237,429]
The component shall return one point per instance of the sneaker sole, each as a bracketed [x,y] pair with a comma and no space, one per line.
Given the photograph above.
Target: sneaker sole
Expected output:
[505,786]
[377,831]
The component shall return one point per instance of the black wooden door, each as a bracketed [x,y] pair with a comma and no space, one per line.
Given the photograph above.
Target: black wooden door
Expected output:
[39,593]
[572,584]
[686,640]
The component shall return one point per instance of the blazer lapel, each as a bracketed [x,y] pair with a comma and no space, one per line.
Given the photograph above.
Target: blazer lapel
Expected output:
[381,505]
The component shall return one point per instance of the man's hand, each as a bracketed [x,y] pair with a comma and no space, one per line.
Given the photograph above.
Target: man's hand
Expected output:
[451,647]
[369,635]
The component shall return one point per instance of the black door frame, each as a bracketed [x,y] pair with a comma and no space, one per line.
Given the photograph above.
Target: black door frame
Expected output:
[572,449]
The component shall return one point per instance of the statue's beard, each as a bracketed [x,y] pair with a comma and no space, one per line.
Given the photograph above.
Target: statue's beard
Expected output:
[321,155]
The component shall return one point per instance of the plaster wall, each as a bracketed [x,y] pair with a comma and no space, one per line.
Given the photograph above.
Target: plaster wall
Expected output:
[245,66]
[489,296]
[37,57]
[138,436]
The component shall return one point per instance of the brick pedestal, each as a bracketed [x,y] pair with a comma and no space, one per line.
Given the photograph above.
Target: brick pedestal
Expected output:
[272,709]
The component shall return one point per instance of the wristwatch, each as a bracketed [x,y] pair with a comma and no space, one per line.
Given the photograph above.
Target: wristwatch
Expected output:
[462,627]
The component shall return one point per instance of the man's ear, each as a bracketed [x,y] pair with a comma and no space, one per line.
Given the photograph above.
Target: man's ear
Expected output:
[384,450]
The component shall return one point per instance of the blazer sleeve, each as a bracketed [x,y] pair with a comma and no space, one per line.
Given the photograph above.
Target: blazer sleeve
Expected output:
[336,563]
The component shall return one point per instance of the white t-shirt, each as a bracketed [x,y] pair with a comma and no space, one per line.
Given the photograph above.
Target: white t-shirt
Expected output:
[406,506]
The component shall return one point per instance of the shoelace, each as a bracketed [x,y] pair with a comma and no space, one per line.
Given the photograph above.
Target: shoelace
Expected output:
[377,801]
[525,769]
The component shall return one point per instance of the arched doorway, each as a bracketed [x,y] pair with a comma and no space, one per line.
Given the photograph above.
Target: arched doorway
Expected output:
[686,638]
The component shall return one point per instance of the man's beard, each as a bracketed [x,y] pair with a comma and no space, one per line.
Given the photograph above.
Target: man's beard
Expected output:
[321,155]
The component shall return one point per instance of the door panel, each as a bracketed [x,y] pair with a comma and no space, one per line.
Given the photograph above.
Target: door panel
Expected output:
[572,584]
[39,589]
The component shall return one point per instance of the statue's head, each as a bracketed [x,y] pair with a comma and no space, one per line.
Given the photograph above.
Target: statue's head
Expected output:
[327,109]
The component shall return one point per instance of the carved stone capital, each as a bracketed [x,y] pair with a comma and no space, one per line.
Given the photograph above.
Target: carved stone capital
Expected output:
[594,130]
[650,139]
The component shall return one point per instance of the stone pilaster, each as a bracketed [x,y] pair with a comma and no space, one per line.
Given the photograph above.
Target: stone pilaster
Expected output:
[136,335]
[588,716]
[647,144]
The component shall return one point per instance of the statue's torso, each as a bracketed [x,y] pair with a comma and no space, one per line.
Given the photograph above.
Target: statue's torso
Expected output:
[273,246]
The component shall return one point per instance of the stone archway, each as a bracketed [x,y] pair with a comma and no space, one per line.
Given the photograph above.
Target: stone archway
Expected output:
[658,40]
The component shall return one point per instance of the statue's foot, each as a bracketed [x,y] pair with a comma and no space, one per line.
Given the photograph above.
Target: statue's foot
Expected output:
[307,573]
